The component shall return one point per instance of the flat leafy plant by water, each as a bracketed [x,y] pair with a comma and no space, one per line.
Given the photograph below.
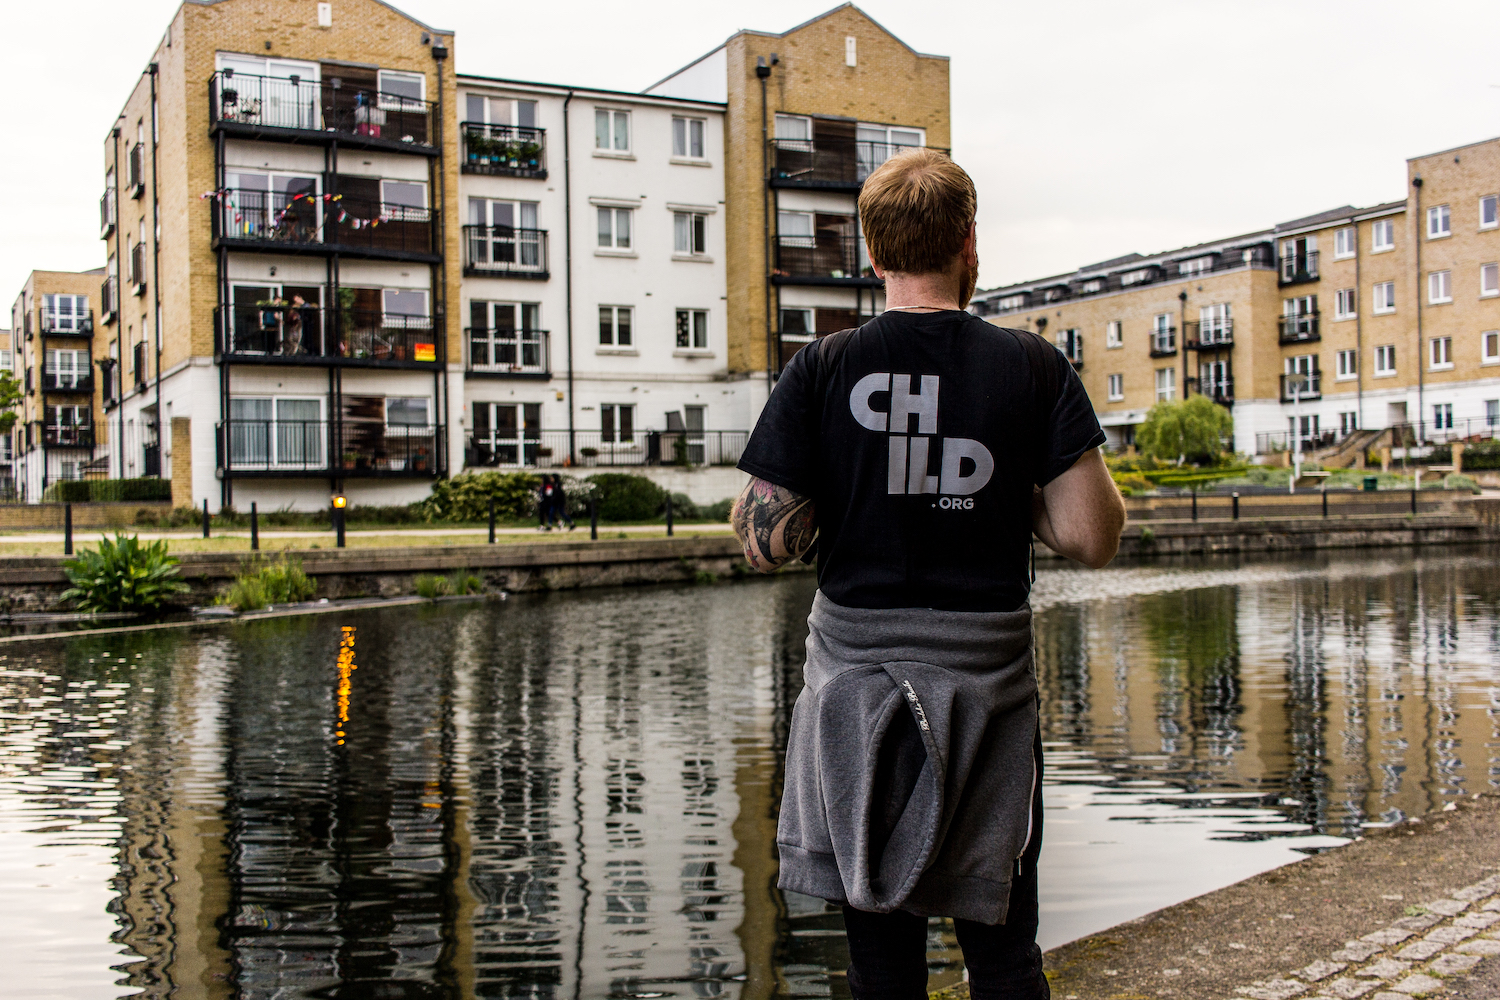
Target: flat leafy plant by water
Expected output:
[280,581]
[123,575]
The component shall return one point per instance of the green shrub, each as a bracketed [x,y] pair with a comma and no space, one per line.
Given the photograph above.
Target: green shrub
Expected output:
[717,512]
[139,490]
[623,497]
[683,508]
[123,575]
[1484,455]
[1459,481]
[280,581]
[1131,483]
[68,491]
[1193,428]
[431,586]
[466,497]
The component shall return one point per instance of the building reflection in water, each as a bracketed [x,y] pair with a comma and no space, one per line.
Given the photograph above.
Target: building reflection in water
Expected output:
[574,796]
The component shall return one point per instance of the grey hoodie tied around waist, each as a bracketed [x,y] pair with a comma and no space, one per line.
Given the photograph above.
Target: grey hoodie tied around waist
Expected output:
[910,766]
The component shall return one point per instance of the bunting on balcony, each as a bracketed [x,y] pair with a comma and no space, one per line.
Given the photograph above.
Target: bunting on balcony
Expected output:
[226,197]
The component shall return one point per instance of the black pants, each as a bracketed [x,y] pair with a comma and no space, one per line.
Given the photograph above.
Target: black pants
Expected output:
[888,951]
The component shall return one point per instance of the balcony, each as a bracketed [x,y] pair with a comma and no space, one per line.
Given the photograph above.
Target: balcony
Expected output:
[508,352]
[1220,390]
[60,325]
[67,436]
[504,150]
[1209,336]
[68,382]
[1299,268]
[1301,329]
[107,214]
[1311,384]
[135,171]
[109,300]
[279,333]
[829,164]
[305,223]
[511,448]
[823,260]
[291,109]
[505,252]
[138,362]
[1164,342]
[138,270]
[364,449]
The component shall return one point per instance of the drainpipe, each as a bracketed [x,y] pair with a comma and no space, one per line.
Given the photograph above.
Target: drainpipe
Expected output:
[120,401]
[1182,339]
[161,432]
[568,266]
[1359,340]
[1416,183]
[763,71]
[440,383]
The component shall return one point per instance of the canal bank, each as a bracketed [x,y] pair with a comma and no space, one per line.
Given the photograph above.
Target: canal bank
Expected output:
[1408,910]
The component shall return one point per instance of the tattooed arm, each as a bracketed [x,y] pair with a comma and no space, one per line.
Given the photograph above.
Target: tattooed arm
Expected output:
[774,524]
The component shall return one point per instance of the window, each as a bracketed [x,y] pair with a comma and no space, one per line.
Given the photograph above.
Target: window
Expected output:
[1070,342]
[1385,360]
[794,128]
[506,433]
[1112,336]
[1092,286]
[406,308]
[500,111]
[65,369]
[402,91]
[1012,302]
[6,364]
[1135,277]
[1442,416]
[1166,384]
[403,200]
[612,130]
[1163,334]
[407,411]
[874,144]
[1214,324]
[1489,211]
[1385,297]
[506,336]
[692,329]
[614,228]
[1198,265]
[1348,422]
[1302,364]
[797,323]
[67,425]
[1344,303]
[1347,364]
[1438,222]
[1489,280]
[1439,286]
[689,233]
[687,138]
[507,236]
[1489,347]
[65,313]
[1116,388]
[1344,242]
[276,431]
[614,326]
[1382,236]
[1492,412]
[1440,350]
[617,423]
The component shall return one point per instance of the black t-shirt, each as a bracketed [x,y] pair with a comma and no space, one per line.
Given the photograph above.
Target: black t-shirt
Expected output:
[920,456]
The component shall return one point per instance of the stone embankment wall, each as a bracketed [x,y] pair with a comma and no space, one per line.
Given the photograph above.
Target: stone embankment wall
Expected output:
[49,516]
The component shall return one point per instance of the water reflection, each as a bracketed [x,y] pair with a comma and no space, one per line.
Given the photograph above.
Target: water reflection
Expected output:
[574,796]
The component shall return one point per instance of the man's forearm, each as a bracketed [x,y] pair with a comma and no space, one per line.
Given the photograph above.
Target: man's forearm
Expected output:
[774,524]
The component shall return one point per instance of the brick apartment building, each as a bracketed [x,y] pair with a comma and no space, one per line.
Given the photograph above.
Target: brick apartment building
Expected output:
[1344,330]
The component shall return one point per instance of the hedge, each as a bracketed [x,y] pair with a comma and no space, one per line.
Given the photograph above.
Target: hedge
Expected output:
[109,490]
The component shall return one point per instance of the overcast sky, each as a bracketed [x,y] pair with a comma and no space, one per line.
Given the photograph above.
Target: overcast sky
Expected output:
[1092,129]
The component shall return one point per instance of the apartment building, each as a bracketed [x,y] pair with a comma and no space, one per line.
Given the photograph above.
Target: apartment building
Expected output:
[59,432]
[810,112]
[1328,332]
[7,438]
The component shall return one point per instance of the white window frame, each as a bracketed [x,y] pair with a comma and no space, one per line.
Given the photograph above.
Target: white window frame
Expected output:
[1489,280]
[1489,211]
[689,234]
[1439,354]
[1197,265]
[1348,422]
[1439,287]
[1385,298]
[1163,337]
[273,458]
[1385,360]
[400,102]
[1166,393]
[618,438]
[1442,416]
[1489,347]
[1382,236]
[427,406]
[616,131]
[696,333]
[1344,242]
[513,112]
[685,131]
[614,229]
[77,367]
[1117,387]
[1010,302]
[404,322]
[614,343]
[1439,222]
[1113,337]
[803,124]
[1346,303]
[51,315]
[1346,364]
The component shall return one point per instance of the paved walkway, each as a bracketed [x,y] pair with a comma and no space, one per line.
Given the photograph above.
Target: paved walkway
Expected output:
[480,533]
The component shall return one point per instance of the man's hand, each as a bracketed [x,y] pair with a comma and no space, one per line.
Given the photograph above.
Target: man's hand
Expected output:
[1080,514]
[774,524]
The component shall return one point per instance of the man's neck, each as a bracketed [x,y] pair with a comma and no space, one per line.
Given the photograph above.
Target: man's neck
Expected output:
[935,290]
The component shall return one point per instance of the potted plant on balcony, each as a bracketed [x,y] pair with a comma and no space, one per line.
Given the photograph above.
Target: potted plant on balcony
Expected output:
[350,457]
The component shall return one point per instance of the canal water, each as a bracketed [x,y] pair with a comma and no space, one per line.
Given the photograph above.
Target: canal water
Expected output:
[574,795]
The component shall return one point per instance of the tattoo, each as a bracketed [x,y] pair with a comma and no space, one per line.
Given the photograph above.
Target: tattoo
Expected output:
[773,524]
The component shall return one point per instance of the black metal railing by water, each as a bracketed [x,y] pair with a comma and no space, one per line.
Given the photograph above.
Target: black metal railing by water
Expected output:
[355,448]
[516,447]
[320,106]
[507,352]
[281,219]
[509,150]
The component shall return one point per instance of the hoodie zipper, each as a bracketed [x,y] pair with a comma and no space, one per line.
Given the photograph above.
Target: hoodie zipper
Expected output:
[1030,816]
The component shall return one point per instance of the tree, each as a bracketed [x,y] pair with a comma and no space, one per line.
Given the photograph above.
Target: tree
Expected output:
[10,398]
[1192,429]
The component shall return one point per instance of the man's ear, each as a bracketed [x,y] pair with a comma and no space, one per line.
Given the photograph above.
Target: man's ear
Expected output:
[971,245]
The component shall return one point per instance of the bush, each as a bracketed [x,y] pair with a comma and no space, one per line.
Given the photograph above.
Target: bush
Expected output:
[1484,455]
[109,490]
[623,497]
[462,582]
[466,497]
[67,491]
[281,581]
[717,512]
[683,508]
[122,575]
[1191,428]
[1459,481]
[1131,483]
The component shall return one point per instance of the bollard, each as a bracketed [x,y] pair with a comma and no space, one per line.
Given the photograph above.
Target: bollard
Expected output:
[492,520]
[1234,506]
[67,529]
[1195,505]
[1325,499]
[669,515]
[593,520]
[338,524]
[1413,500]
[205,518]
[254,528]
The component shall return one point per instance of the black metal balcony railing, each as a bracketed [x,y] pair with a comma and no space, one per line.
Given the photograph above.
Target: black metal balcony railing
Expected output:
[827,163]
[1209,336]
[1301,329]
[106,214]
[283,220]
[823,258]
[135,170]
[505,251]
[363,448]
[595,449]
[138,269]
[307,333]
[1297,268]
[1301,386]
[54,325]
[109,299]
[507,352]
[68,436]
[509,150]
[319,106]
[53,381]
[138,362]
[1164,343]
[1220,390]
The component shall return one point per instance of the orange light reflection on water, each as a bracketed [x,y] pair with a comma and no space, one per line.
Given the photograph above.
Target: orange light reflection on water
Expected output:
[346,667]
